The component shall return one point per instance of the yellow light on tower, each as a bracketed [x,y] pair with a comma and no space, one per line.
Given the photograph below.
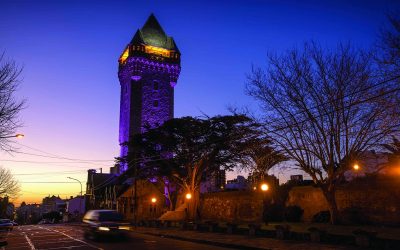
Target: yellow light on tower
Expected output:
[124,56]
[188,196]
[264,187]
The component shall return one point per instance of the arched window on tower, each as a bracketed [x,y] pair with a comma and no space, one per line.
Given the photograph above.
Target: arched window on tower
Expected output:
[155,85]
[155,103]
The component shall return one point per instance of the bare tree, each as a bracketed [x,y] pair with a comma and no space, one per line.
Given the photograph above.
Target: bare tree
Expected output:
[323,109]
[9,105]
[8,185]
[263,157]
[388,46]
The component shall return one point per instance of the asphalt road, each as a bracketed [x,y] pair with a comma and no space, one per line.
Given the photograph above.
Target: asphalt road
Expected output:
[71,237]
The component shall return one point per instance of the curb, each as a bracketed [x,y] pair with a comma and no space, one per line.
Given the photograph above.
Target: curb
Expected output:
[207,242]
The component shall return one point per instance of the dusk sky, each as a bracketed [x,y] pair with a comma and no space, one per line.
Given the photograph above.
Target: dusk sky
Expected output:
[70,49]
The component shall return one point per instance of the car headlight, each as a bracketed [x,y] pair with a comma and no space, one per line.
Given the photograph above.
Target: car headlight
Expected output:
[104,229]
[123,227]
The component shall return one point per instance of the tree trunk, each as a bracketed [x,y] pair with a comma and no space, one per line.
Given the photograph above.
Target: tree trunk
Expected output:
[329,193]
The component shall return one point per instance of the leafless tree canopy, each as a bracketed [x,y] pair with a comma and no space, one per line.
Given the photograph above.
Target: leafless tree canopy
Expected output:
[9,105]
[322,108]
[8,185]
[389,45]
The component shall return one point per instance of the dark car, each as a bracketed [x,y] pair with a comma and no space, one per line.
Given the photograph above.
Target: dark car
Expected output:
[104,223]
[5,226]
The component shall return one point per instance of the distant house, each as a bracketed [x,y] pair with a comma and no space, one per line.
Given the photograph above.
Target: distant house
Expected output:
[76,205]
[53,204]
[213,182]
[101,190]
[240,183]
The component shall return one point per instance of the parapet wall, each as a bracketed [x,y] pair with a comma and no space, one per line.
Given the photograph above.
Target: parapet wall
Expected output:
[378,204]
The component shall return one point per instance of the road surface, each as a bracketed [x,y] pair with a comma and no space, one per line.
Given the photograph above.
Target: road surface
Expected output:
[71,237]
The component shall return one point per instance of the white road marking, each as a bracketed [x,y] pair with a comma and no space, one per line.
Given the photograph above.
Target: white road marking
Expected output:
[81,241]
[29,241]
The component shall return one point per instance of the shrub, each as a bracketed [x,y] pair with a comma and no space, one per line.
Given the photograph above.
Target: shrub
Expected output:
[273,213]
[322,217]
[354,215]
[293,213]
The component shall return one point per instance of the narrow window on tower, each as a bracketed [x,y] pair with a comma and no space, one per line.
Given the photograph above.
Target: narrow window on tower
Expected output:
[155,103]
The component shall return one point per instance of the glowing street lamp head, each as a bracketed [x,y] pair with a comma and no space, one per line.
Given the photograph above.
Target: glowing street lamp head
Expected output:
[264,187]
[153,200]
[19,136]
[356,167]
[188,196]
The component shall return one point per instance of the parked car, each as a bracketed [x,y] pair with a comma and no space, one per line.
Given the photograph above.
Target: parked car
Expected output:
[104,223]
[45,221]
[5,227]
[6,224]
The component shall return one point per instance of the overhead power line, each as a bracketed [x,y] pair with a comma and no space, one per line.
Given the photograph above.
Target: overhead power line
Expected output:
[44,182]
[64,158]
[51,173]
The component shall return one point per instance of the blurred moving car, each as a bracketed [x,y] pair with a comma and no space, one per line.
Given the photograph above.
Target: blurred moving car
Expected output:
[5,227]
[106,223]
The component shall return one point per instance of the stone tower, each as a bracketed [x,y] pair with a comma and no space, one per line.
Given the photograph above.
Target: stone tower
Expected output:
[149,69]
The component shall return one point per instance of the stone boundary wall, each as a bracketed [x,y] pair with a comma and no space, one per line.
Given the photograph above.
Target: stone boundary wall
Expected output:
[376,204]
[235,206]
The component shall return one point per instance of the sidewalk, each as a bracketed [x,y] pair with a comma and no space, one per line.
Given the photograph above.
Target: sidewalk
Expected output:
[235,241]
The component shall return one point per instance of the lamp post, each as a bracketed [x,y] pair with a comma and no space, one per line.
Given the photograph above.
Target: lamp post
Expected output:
[80,198]
[153,204]
[19,136]
[356,168]
[188,196]
[264,188]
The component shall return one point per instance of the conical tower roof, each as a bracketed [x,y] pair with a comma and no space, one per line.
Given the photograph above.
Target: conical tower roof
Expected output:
[153,34]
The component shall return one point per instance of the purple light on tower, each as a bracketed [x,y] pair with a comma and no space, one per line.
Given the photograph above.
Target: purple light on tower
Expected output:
[149,69]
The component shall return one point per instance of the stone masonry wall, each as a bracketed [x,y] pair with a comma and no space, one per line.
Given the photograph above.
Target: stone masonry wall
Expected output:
[238,206]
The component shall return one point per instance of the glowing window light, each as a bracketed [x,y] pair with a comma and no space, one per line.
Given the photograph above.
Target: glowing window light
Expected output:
[157,51]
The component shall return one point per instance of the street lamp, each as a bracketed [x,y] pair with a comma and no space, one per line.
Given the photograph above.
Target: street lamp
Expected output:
[80,198]
[19,136]
[264,187]
[153,207]
[356,167]
[188,196]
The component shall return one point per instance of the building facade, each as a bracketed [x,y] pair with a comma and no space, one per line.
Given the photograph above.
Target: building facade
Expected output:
[149,68]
